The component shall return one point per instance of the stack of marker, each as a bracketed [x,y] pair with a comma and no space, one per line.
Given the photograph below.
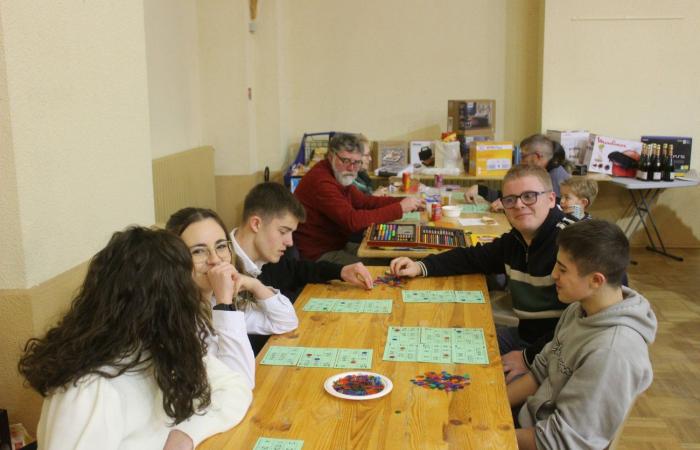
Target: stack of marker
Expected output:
[385,231]
[442,381]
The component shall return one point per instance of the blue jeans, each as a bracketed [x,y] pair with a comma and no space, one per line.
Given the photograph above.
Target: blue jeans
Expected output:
[509,339]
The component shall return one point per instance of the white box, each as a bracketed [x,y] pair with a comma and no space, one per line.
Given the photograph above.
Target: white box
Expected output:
[447,155]
[415,148]
[574,142]
[601,146]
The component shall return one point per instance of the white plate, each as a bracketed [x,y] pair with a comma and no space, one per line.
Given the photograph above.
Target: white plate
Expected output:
[328,386]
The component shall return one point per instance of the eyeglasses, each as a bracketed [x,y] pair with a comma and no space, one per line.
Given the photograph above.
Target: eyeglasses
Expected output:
[200,254]
[527,197]
[349,161]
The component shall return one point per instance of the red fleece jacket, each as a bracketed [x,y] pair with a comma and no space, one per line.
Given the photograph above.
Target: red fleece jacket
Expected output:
[334,212]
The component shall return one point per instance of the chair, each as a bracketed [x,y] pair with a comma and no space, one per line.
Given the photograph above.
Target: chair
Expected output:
[502,307]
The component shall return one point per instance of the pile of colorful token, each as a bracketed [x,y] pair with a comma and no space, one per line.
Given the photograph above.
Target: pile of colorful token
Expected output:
[389,280]
[359,385]
[443,381]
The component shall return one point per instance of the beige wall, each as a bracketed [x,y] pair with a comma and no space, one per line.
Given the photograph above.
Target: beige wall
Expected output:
[75,159]
[269,91]
[388,68]
[225,75]
[12,265]
[523,82]
[78,116]
[622,78]
[172,55]
[626,78]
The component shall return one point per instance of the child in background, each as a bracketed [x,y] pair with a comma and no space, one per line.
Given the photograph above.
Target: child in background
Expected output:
[583,382]
[537,150]
[577,196]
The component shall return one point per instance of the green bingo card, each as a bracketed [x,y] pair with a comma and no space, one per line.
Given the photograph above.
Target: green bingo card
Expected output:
[265,443]
[339,358]
[375,306]
[438,345]
[476,208]
[413,296]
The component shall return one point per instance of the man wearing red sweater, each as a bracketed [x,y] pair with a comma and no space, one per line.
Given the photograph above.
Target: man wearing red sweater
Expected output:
[335,208]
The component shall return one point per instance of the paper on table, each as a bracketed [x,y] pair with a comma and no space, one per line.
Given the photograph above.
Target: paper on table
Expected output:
[470,222]
[265,443]
[410,217]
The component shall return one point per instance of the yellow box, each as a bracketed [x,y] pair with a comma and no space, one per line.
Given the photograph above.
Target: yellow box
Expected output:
[490,158]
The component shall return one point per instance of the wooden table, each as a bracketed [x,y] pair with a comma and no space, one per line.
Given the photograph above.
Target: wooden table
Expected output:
[290,403]
[643,194]
[502,226]
[429,179]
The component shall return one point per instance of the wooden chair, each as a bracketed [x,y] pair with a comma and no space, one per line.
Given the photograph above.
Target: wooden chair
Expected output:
[502,307]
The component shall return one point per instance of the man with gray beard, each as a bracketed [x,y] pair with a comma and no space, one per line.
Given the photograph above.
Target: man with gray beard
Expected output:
[335,208]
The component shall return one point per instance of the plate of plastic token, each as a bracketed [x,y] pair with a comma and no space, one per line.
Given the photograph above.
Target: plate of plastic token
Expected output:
[358,385]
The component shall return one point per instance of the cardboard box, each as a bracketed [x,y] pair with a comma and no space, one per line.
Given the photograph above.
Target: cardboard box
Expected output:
[472,117]
[464,141]
[391,156]
[490,158]
[682,147]
[574,142]
[600,148]
[415,148]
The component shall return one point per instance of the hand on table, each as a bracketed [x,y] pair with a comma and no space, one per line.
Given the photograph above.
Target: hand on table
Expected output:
[497,206]
[409,204]
[357,274]
[514,365]
[471,194]
[404,267]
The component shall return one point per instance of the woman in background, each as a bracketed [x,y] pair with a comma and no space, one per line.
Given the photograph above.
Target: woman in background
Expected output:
[127,368]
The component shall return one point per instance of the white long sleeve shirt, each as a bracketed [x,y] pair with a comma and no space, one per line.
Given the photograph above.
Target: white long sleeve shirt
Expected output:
[126,412]
[274,315]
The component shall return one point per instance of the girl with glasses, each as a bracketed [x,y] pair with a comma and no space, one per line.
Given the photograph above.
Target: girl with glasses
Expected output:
[239,305]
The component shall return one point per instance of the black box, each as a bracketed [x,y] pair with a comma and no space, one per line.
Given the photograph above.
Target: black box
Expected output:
[681,150]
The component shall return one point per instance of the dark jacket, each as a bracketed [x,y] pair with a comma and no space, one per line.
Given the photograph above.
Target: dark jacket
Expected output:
[529,270]
[290,275]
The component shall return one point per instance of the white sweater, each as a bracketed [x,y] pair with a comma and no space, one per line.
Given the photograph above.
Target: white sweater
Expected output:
[126,412]
[274,315]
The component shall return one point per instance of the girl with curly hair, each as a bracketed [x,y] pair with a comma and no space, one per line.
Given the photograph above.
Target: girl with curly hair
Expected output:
[127,366]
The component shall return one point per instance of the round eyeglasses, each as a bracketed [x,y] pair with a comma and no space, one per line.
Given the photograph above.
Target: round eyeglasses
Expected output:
[528,198]
[349,161]
[201,253]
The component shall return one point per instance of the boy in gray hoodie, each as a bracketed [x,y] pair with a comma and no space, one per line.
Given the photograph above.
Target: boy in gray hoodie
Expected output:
[583,382]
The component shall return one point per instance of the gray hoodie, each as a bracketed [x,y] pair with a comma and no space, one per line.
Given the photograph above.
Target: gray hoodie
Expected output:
[590,374]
